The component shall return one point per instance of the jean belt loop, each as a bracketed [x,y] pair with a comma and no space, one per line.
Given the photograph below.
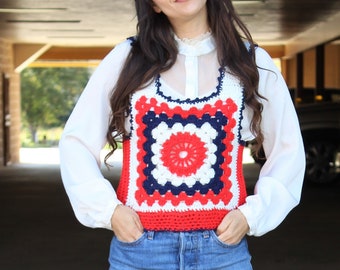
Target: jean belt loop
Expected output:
[206,234]
[150,235]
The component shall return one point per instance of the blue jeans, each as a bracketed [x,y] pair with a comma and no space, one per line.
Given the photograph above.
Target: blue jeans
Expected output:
[197,250]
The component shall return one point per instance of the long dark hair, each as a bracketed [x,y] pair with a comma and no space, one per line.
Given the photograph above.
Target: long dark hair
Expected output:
[154,51]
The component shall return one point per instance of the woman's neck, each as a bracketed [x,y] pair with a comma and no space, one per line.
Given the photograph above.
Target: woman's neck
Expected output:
[190,32]
[193,27]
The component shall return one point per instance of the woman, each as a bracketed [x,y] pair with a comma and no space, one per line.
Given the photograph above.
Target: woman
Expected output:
[185,94]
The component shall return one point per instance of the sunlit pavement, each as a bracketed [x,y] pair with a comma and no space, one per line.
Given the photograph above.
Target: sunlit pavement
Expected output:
[38,229]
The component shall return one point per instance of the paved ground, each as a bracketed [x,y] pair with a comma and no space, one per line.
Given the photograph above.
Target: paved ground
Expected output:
[38,230]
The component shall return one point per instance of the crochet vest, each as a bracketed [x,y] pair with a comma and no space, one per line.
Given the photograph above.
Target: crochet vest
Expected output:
[182,161]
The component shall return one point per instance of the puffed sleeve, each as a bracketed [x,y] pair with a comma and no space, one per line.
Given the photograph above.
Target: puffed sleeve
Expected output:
[92,197]
[278,189]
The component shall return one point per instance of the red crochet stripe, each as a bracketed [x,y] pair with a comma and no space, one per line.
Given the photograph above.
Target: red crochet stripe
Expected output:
[195,151]
[122,190]
[182,221]
[240,177]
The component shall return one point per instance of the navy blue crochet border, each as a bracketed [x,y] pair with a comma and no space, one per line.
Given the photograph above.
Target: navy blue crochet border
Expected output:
[239,137]
[152,120]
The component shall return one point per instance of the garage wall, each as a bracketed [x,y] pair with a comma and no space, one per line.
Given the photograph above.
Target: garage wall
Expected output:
[7,67]
[289,71]
[309,68]
[332,66]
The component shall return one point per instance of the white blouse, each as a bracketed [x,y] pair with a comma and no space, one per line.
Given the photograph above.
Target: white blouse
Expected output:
[194,74]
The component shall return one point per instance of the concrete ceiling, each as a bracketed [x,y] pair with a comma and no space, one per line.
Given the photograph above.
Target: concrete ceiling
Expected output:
[296,24]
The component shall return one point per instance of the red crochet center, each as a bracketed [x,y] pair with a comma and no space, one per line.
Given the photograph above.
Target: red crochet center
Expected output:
[187,153]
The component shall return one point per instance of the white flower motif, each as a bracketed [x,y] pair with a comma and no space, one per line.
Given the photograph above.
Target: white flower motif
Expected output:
[178,127]
[191,128]
[157,174]
[160,130]
[177,181]
[189,181]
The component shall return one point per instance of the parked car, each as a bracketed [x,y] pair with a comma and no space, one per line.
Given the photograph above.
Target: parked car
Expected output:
[320,128]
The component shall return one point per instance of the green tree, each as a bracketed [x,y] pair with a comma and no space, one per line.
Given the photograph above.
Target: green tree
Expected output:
[48,96]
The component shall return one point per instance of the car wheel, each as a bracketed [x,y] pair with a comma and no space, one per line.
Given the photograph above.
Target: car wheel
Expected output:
[320,162]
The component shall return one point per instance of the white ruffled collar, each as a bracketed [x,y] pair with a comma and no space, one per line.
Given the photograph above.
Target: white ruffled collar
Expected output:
[200,45]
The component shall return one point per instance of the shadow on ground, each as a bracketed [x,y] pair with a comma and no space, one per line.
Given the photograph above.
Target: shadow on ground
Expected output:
[38,230]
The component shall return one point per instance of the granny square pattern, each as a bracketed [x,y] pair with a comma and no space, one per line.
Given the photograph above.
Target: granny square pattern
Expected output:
[183,154]
[182,159]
